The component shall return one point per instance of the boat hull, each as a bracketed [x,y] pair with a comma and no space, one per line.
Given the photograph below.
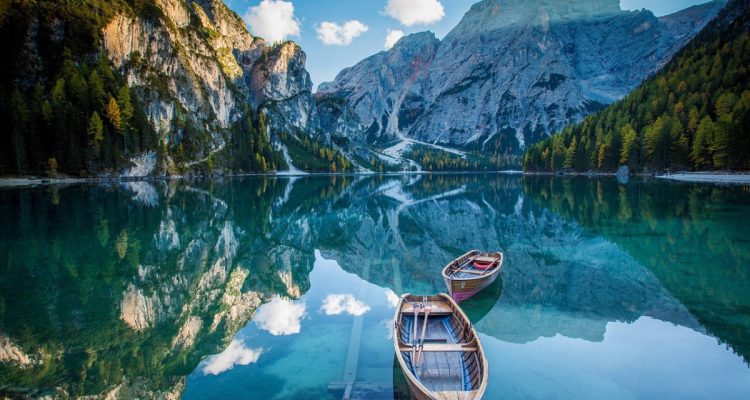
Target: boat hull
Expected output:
[461,290]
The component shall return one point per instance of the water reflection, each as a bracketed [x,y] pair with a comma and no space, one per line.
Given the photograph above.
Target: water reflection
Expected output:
[280,317]
[127,290]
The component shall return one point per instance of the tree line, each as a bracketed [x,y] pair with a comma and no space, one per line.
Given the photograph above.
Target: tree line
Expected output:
[438,160]
[311,155]
[694,114]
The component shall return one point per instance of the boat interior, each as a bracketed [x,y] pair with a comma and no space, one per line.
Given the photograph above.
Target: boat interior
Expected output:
[475,266]
[446,356]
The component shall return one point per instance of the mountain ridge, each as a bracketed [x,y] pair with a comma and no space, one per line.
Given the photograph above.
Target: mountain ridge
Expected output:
[465,99]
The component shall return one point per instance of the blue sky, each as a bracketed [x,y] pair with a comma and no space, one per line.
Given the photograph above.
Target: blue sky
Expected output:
[303,22]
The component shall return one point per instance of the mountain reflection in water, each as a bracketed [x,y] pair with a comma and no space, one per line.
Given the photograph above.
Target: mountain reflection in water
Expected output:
[253,285]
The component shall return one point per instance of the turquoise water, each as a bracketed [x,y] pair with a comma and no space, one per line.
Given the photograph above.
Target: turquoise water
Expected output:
[285,287]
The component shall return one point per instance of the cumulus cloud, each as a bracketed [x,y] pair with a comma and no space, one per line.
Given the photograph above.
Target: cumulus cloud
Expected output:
[235,354]
[331,33]
[392,37]
[335,304]
[392,298]
[273,20]
[280,317]
[415,12]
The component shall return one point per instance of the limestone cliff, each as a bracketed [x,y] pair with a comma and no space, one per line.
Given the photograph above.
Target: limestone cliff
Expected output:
[198,64]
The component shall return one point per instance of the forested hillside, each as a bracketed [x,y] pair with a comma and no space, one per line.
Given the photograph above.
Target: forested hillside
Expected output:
[694,114]
[67,109]
[91,86]
[63,105]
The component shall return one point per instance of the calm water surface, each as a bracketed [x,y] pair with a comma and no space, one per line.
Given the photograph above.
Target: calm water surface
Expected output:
[285,287]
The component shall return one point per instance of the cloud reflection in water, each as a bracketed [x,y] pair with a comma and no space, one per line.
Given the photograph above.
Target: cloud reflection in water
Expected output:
[335,304]
[235,354]
[280,317]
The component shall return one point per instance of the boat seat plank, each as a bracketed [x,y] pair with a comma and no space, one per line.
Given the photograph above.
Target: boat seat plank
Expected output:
[471,271]
[439,347]
[437,308]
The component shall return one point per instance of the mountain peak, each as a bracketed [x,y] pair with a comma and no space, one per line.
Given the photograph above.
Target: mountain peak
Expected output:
[417,39]
[488,15]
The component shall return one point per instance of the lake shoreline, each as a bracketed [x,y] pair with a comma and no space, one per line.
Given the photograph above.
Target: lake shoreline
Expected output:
[739,177]
[21,181]
[708,177]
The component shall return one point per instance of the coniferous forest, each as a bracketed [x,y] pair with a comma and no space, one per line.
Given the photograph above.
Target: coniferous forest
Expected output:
[67,110]
[694,114]
[71,112]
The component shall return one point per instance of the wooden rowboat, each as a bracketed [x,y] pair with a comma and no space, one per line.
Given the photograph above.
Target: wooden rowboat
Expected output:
[472,272]
[438,349]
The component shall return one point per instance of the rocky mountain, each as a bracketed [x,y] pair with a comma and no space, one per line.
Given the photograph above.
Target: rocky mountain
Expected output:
[185,76]
[509,74]
[693,114]
[150,87]
[215,67]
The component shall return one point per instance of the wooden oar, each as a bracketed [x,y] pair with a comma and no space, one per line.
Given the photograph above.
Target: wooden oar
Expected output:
[414,306]
[427,310]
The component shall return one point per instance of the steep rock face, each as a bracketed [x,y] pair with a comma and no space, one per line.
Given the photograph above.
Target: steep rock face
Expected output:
[388,81]
[280,83]
[198,63]
[509,73]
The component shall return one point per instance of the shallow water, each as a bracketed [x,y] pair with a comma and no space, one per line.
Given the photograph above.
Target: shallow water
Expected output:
[284,287]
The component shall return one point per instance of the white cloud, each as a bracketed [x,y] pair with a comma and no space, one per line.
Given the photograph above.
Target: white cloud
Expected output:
[415,12]
[392,37]
[335,304]
[331,33]
[235,354]
[273,20]
[392,298]
[280,317]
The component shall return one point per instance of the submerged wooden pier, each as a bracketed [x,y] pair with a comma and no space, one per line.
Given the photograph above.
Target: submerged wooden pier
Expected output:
[364,383]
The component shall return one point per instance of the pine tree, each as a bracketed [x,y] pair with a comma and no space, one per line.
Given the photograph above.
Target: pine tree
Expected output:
[126,116]
[126,106]
[96,137]
[629,145]
[20,114]
[113,114]
[720,144]
[97,95]
[570,153]
[700,154]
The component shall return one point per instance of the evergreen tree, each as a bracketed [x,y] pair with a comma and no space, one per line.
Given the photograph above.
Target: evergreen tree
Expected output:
[113,114]
[629,145]
[96,137]
[20,125]
[700,154]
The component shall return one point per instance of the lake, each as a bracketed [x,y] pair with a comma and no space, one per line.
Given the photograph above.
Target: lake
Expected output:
[285,287]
